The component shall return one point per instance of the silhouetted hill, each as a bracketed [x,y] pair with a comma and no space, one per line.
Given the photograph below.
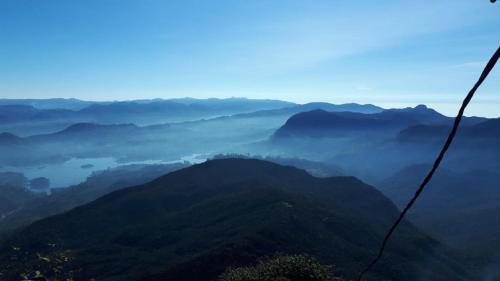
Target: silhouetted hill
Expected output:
[288,111]
[91,128]
[420,113]
[193,223]
[319,123]
[81,140]
[91,133]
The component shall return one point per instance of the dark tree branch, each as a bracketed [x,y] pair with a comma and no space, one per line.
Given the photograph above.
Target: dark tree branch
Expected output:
[437,162]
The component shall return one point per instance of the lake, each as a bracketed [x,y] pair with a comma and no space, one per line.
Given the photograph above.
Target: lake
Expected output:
[76,170]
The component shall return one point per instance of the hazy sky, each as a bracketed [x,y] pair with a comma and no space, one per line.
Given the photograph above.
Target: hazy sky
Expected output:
[392,53]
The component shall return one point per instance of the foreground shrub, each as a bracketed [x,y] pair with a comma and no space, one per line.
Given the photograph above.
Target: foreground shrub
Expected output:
[282,268]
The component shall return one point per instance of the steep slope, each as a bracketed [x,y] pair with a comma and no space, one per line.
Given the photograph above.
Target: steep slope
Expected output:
[193,223]
[458,207]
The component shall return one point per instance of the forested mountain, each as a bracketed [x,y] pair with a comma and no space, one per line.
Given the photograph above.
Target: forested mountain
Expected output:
[321,123]
[193,223]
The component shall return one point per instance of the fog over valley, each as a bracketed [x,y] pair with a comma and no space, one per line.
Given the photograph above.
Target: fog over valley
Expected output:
[249,140]
[56,167]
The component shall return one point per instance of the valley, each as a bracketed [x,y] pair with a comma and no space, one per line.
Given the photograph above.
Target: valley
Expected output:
[225,177]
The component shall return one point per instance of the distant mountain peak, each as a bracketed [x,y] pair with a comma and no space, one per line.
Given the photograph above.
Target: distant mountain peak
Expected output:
[347,107]
[321,123]
[421,107]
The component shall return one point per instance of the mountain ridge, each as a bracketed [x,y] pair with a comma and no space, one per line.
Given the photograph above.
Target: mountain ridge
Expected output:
[243,209]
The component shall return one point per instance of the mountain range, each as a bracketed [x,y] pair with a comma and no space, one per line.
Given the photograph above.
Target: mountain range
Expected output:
[285,207]
[322,123]
[140,112]
[387,149]
[66,137]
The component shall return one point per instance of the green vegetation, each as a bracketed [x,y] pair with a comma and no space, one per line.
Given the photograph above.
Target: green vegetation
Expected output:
[282,268]
[194,223]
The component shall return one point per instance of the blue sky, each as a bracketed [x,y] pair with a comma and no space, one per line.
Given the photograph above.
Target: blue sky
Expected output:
[391,53]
